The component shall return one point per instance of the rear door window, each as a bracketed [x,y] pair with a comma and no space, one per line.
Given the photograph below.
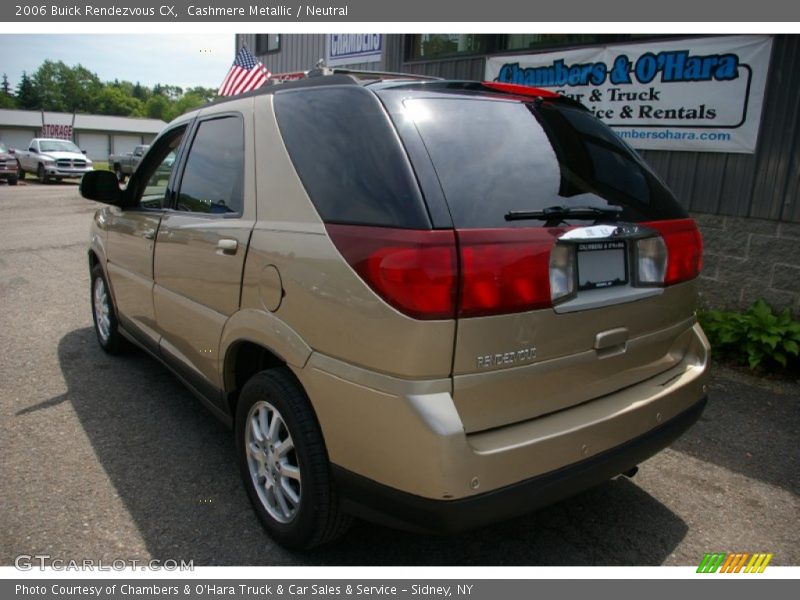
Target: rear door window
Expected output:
[495,156]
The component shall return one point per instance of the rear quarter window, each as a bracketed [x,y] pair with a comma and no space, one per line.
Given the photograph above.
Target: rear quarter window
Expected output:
[349,157]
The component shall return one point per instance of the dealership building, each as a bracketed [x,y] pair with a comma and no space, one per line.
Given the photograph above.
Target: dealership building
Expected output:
[717,117]
[98,135]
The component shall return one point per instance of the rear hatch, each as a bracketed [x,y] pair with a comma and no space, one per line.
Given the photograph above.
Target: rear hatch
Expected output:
[576,265]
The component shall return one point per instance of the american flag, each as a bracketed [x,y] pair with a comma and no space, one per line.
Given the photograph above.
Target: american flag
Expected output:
[246,74]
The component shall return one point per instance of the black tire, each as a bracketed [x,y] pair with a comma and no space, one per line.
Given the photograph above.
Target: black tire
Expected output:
[42,176]
[12,181]
[112,342]
[20,172]
[318,518]
[118,172]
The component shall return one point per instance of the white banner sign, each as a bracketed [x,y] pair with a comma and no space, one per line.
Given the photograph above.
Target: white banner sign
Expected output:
[352,48]
[700,95]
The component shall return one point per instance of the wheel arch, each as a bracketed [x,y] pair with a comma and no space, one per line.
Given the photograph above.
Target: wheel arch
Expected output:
[253,341]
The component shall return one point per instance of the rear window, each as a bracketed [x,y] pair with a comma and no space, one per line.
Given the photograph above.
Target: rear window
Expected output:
[493,157]
[349,157]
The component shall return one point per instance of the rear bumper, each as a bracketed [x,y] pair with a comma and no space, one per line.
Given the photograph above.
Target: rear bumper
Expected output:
[380,503]
[402,445]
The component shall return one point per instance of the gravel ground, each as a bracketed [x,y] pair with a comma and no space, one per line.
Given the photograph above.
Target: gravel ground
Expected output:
[111,458]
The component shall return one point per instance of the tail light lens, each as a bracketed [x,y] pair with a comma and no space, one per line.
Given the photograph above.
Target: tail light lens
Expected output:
[413,270]
[651,259]
[684,249]
[562,272]
[504,270]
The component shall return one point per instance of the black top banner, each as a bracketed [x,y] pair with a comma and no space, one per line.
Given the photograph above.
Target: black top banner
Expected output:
[776,11]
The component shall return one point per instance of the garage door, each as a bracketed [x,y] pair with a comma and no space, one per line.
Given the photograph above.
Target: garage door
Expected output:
[95,144]
[17,138]
[125,143]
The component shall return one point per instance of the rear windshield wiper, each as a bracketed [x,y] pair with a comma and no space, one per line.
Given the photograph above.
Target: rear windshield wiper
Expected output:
[565,212]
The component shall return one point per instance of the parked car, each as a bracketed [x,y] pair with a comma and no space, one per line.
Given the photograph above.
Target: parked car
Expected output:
[9,170]
[431,304]
[52,159]
[125,164]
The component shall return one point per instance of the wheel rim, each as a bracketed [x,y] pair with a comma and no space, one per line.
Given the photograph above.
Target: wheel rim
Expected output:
[272,462]
[102,312]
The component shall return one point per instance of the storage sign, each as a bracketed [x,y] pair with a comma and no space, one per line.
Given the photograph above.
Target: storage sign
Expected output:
[701,95]
[54,130]
[350,48]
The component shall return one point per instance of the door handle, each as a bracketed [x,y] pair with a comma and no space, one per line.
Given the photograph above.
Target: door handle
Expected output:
[228,246]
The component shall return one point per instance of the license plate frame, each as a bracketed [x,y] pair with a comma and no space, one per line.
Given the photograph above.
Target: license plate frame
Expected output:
[604,264]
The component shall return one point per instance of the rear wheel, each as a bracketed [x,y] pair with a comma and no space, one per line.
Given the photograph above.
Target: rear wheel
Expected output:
[12,180]
[20,171]
[284,463]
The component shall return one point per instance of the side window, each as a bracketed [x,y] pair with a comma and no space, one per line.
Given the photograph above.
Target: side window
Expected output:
[154,173]
[349,157]
[213,178]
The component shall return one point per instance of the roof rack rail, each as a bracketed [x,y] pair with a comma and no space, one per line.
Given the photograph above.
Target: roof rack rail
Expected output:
[365,74]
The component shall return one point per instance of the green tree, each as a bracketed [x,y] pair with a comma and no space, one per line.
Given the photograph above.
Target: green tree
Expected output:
[46,82]
[27,97]
[6,99]
[114,101]
[184,104]
[141,92]
[79,87]
[157,107]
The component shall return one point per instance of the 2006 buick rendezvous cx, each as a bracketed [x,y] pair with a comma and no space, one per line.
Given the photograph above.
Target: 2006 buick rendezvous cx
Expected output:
[431,304]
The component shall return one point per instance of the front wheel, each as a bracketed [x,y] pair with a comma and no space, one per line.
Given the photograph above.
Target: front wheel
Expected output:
[42,175]
[118,172]
[104,315]
[284,463]
[20,172]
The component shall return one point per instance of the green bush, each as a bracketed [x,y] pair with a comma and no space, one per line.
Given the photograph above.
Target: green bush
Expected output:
[757,337]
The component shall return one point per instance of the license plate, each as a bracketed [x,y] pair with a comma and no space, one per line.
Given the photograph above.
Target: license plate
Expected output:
[602,265]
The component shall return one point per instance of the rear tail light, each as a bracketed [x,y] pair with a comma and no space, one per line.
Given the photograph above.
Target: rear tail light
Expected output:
[444,274]
[413,270]
[504,270]
[417,271]
[684,249]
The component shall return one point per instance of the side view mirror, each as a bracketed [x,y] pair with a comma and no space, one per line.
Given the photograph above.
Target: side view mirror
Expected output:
[101,186]
[83,151]
[12,150]
[31,149]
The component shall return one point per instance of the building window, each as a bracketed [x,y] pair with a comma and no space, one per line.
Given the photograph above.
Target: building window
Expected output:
[531,41]
[268,42]
[438,45]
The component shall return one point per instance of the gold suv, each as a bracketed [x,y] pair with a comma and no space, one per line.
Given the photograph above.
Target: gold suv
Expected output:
[429,304]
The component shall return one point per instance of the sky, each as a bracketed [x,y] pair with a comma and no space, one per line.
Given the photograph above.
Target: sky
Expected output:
[185,60]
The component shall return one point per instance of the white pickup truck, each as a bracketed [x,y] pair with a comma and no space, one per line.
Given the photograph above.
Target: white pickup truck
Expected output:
[52,159]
